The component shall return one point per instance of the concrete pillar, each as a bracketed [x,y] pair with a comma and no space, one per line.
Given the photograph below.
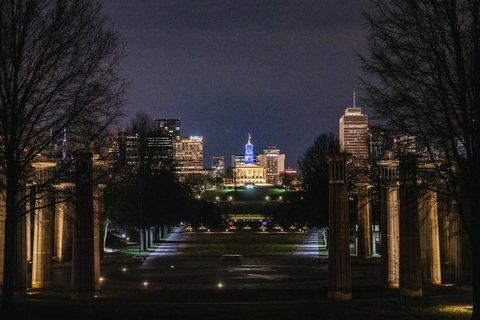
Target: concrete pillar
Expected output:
[2,232]
[43,224]
[151,232]
[410,257]
[429,238]
[390,234]
[461,254]
[98,229]
[83,260]
[64,211]
[364,221]
[30,218]
[339,266]
[21,278]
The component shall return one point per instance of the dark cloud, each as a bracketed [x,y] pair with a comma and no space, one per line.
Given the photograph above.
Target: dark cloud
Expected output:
[282,70]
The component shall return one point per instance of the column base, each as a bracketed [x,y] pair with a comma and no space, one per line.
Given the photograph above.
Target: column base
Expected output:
[83,296]
[393,284]
[341,296]
[412,293]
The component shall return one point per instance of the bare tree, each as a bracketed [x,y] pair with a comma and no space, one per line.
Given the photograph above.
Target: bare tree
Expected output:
[313,163]
[425,66]
[59,91]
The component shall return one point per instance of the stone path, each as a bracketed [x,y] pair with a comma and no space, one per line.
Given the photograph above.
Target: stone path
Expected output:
[169,247]
[309,246]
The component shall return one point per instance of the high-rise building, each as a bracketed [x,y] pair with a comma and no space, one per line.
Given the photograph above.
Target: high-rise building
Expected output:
[274,162]
[188,156]
[218,166]
[171,126]
[353,133]
[155,152]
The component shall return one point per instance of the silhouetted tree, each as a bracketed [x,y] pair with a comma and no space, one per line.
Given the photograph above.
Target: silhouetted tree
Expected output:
[58,78]
[313,165]
[424,65]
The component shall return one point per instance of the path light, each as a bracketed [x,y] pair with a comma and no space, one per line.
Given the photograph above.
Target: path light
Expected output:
[101,279]
[220,285]
[145,284]
[124,269]
[172,267]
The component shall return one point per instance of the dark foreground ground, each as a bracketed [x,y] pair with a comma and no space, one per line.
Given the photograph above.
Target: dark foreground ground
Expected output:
[264,287]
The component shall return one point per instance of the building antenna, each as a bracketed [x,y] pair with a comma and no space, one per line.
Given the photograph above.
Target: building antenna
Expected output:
[354,99]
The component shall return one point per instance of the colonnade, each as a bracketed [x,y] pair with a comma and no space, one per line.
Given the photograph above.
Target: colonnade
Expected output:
[416,231]
[52,228]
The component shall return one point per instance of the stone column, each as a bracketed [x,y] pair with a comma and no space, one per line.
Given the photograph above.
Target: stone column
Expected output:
[390,234]
[339,267]
[98,228]
[429,238]
[21,278]
[410,257]
[364,221]
[83,260]
[43,232]
[63,221]
[2,232]
[461,254]
[151,230]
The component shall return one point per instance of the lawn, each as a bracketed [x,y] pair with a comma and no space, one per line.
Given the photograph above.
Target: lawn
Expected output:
[248,244]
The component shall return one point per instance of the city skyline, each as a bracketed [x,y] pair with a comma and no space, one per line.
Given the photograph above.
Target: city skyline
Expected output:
[284,71]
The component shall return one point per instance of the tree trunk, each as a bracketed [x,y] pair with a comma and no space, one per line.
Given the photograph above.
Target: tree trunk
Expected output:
[475,243]
[9,251]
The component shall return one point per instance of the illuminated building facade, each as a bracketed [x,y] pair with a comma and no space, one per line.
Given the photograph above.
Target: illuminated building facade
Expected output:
[218,166]
[249,173]
[126,150]
[172,126]
[353,133]
[239,160]
[274,162]
[188,156]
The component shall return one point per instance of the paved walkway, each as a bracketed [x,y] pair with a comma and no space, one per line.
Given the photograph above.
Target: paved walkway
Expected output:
[309,246]
[169,247]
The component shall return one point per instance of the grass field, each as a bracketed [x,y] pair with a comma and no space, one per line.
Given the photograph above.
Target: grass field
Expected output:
[214,244]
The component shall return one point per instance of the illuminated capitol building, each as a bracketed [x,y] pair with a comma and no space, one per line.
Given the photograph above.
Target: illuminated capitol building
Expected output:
[262,170]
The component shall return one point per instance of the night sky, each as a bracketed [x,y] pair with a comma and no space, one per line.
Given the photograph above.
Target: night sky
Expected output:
[284,71]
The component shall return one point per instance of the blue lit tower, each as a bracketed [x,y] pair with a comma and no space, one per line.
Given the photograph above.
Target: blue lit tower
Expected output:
[249,151]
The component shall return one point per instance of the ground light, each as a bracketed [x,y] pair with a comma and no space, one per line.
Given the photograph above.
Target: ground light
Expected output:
[220,285]
[124,269]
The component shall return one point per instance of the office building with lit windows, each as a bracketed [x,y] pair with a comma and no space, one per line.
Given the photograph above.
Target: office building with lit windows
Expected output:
[188,156]
[274,163]
[353,133]
[218,166]
[172,126]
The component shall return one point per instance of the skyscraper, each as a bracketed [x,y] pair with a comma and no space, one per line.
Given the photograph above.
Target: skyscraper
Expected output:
[353,133]
[188,156]
[218,166]
[274,162]
[172,126]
